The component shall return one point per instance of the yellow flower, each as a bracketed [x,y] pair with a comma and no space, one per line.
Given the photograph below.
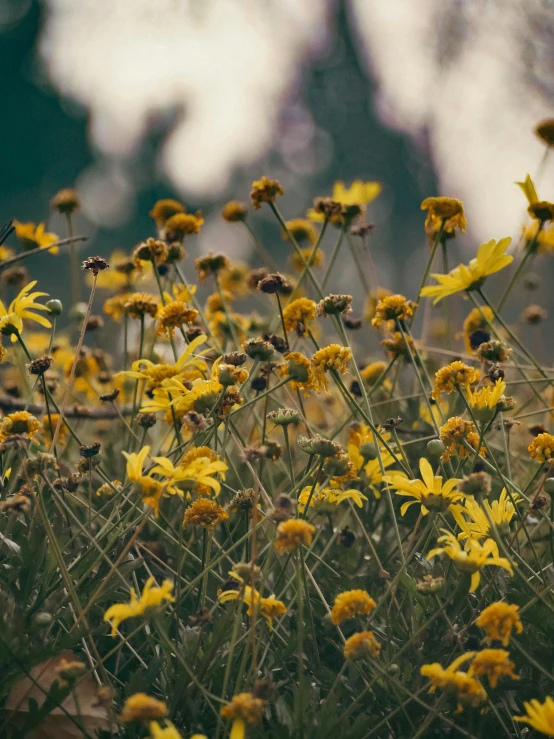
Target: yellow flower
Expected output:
[234,279]
[455,375]
[542,447]
[393,308]
[498,620]
[172,393]
[467,689]
[360,645]
[183,224]
[539,715]
[372,372]
[234,211]
[487,397]
[142,707]
[477,320]
[328,498]
[150,601]
[332,357]
[501,511]
[351,603]
[150,489]
[205,513]
[472,557]
[542,210]
[449,210]
[429,492]
[265,191]
[19,423]
[298,311]
[11,318]
[166,732]
[139,305]
[244,709]
[164,209]
[195,473]
[292,534]
[269,608]
[455,434]
[174,315]
[494,663]
[359,194]
[299,369]
[154,374]
[399,345]
[490,259]
[300,230]
[33,236]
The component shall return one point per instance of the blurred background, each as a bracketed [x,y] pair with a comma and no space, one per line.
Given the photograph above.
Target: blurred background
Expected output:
[134,100]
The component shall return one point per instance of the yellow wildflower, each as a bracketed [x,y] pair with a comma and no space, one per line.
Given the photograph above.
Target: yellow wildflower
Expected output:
[541,448]
[154,374]
[164,209]
[300,311]
[430,492]
[467,689]
[265,190]
[234,279]
[455,434]
[139,305]
[485,400]
[22,307]
[183,224]
[269,608]
[33,236]
[244,709]
[205,513]
[328,498]
[372,372]
[174,315]
[477,320]
[441,209]
[150,601]
[472,557]
[293,534]
[498,620]
[490,258]
[234,211]
[351,603]
[539,715]
[167,732]
[494,663]
[194,472]
[330,358]
[300,230]
[19,423]
[359,194]
[501,511]
[455,375]
[142,707]
[393,308]
[299,369]
[360,645]
[542,210]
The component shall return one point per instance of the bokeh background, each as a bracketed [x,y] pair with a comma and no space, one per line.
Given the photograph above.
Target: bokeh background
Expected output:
[133,100]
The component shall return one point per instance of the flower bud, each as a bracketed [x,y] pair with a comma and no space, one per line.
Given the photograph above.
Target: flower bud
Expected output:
[435,448]
[318,445]
[369,451]
[284,416]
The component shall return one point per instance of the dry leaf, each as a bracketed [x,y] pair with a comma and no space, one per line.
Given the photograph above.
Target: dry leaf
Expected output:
[92,715]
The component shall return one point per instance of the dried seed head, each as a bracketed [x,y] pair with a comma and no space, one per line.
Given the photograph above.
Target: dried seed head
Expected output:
[478,484]
[275,283]
[87,452]
[317,445]
[41,365]
[95,265]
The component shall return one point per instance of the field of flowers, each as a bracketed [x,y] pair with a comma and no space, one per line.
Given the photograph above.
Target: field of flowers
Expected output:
[222,514]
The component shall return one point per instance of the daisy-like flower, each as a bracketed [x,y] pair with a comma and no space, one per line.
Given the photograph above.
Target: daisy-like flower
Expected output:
[172,315]
[455,434]
[150,601]
[205,513]
[300,311]
[542,448]
[244,709]
[455,375]
[392,308]
[293,534]
[194,473]
[430,492]
[476,327]
[491,258]
[350,604]
[154,374]
[33,236]
[22,307]
[485,400]
[269,608]
[326,499]
[494,663]
[542,210]
[361,645]
[501,512]
[498,620]
[150,488]
[142,707]
[467,689]
[332,357]
[470,558]
[448,212]
[172,393]
[357,196]
[19,423]
[539,715]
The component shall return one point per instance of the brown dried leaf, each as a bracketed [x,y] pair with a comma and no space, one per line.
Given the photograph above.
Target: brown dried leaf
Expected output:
[92,715]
